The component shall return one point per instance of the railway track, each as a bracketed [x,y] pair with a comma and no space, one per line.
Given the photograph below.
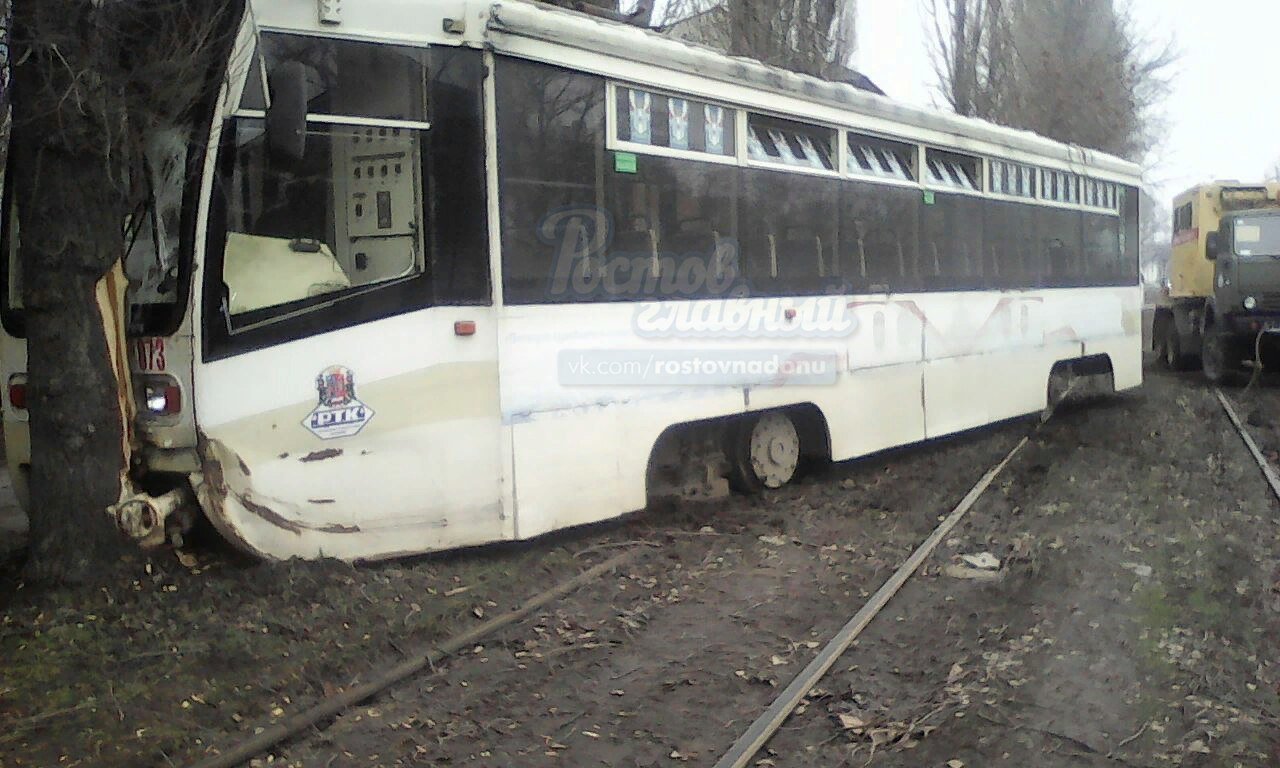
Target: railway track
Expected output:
[269,735]
[752,740]
[758,734]
[1269,472]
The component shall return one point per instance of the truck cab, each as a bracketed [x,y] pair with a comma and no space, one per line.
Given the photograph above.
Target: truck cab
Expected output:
[1223,296]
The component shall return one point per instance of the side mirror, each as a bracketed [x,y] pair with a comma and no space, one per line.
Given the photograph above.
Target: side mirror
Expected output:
[1213,246]
[287,116]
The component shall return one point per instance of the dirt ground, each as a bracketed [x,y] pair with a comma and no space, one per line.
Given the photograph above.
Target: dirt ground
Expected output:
[1135,620]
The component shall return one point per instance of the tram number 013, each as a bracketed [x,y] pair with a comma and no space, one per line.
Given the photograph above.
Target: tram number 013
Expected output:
[150,355]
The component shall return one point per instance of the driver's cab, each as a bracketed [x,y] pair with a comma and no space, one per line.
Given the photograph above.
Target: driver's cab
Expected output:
[316,206]
[1245,251]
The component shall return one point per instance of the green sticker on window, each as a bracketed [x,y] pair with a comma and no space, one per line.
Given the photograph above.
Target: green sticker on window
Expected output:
[928,197]
[624,162]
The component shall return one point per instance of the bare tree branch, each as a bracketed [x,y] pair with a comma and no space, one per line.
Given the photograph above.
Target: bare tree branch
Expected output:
[816,37]
[1073,70]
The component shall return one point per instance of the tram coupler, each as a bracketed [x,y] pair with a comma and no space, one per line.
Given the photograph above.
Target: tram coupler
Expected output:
[153,521]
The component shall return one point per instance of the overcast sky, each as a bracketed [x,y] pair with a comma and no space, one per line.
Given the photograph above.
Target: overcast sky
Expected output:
[1221,119]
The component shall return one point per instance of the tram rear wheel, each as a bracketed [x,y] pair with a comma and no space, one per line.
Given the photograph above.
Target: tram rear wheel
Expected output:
[763,452]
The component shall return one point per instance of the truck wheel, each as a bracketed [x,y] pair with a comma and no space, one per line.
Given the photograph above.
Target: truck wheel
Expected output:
[1220,368]
[1171,346]
[1168,345]
[1160,343]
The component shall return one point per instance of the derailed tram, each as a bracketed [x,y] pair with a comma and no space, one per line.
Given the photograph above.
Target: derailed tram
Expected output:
[448,272]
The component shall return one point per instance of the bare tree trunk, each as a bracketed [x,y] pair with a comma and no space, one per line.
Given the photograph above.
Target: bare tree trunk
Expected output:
[964,59]
[70,211]
[809,36]
[1072,70]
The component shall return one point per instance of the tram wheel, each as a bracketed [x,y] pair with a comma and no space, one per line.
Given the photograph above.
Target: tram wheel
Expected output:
[763,452]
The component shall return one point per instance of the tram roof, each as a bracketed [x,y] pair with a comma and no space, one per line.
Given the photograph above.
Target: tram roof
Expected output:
[578,30]
[505,24]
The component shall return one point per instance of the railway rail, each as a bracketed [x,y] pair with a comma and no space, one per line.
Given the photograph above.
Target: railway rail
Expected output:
[1268,471]
[767,724]
[745,749]
[270,735]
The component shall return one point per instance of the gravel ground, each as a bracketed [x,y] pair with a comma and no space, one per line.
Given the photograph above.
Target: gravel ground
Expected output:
[1134,620]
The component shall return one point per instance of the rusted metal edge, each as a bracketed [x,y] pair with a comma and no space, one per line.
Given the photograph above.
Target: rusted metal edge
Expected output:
[1268,471]
[333,705]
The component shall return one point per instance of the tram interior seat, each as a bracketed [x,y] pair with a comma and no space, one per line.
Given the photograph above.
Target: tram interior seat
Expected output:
[802,261]
[991,264]
[638,245]
[1058,258]
[639,241]
[696,239]
[884,259]
[932,272]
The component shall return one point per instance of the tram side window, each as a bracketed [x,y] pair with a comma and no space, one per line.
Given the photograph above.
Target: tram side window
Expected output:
[674,122]
[550,159]
[342,75]
[784,142]
[951,242]
[1129,213]
[675,231]
[11,303]
[879,235]
[1009,241]
[1102,252]
[1059,260]
[459,227]
[790,231]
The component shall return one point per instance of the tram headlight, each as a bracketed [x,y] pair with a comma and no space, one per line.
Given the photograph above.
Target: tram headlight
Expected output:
[161,396]
[1250,303]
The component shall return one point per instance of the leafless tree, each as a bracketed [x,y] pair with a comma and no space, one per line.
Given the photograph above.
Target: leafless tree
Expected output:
[1073,70]
[811,36]
[1154,233]
[92,82]
[971,52]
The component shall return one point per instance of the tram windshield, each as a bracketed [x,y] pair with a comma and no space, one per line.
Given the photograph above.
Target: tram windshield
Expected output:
[153,234]
[345,215]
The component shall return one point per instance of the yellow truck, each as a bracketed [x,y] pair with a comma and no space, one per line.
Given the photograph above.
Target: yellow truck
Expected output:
[1223,295]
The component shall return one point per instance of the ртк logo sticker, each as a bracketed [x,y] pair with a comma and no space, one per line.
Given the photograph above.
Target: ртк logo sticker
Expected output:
[339,413]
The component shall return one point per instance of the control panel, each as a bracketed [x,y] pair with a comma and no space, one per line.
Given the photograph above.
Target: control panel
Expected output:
[381,196]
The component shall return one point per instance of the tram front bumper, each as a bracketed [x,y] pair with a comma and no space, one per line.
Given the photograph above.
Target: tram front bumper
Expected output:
[153,521]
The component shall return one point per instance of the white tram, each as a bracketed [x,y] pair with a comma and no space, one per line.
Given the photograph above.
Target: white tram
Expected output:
[448,272]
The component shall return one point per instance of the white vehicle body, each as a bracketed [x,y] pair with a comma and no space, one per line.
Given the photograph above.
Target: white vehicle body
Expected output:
[452,424]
